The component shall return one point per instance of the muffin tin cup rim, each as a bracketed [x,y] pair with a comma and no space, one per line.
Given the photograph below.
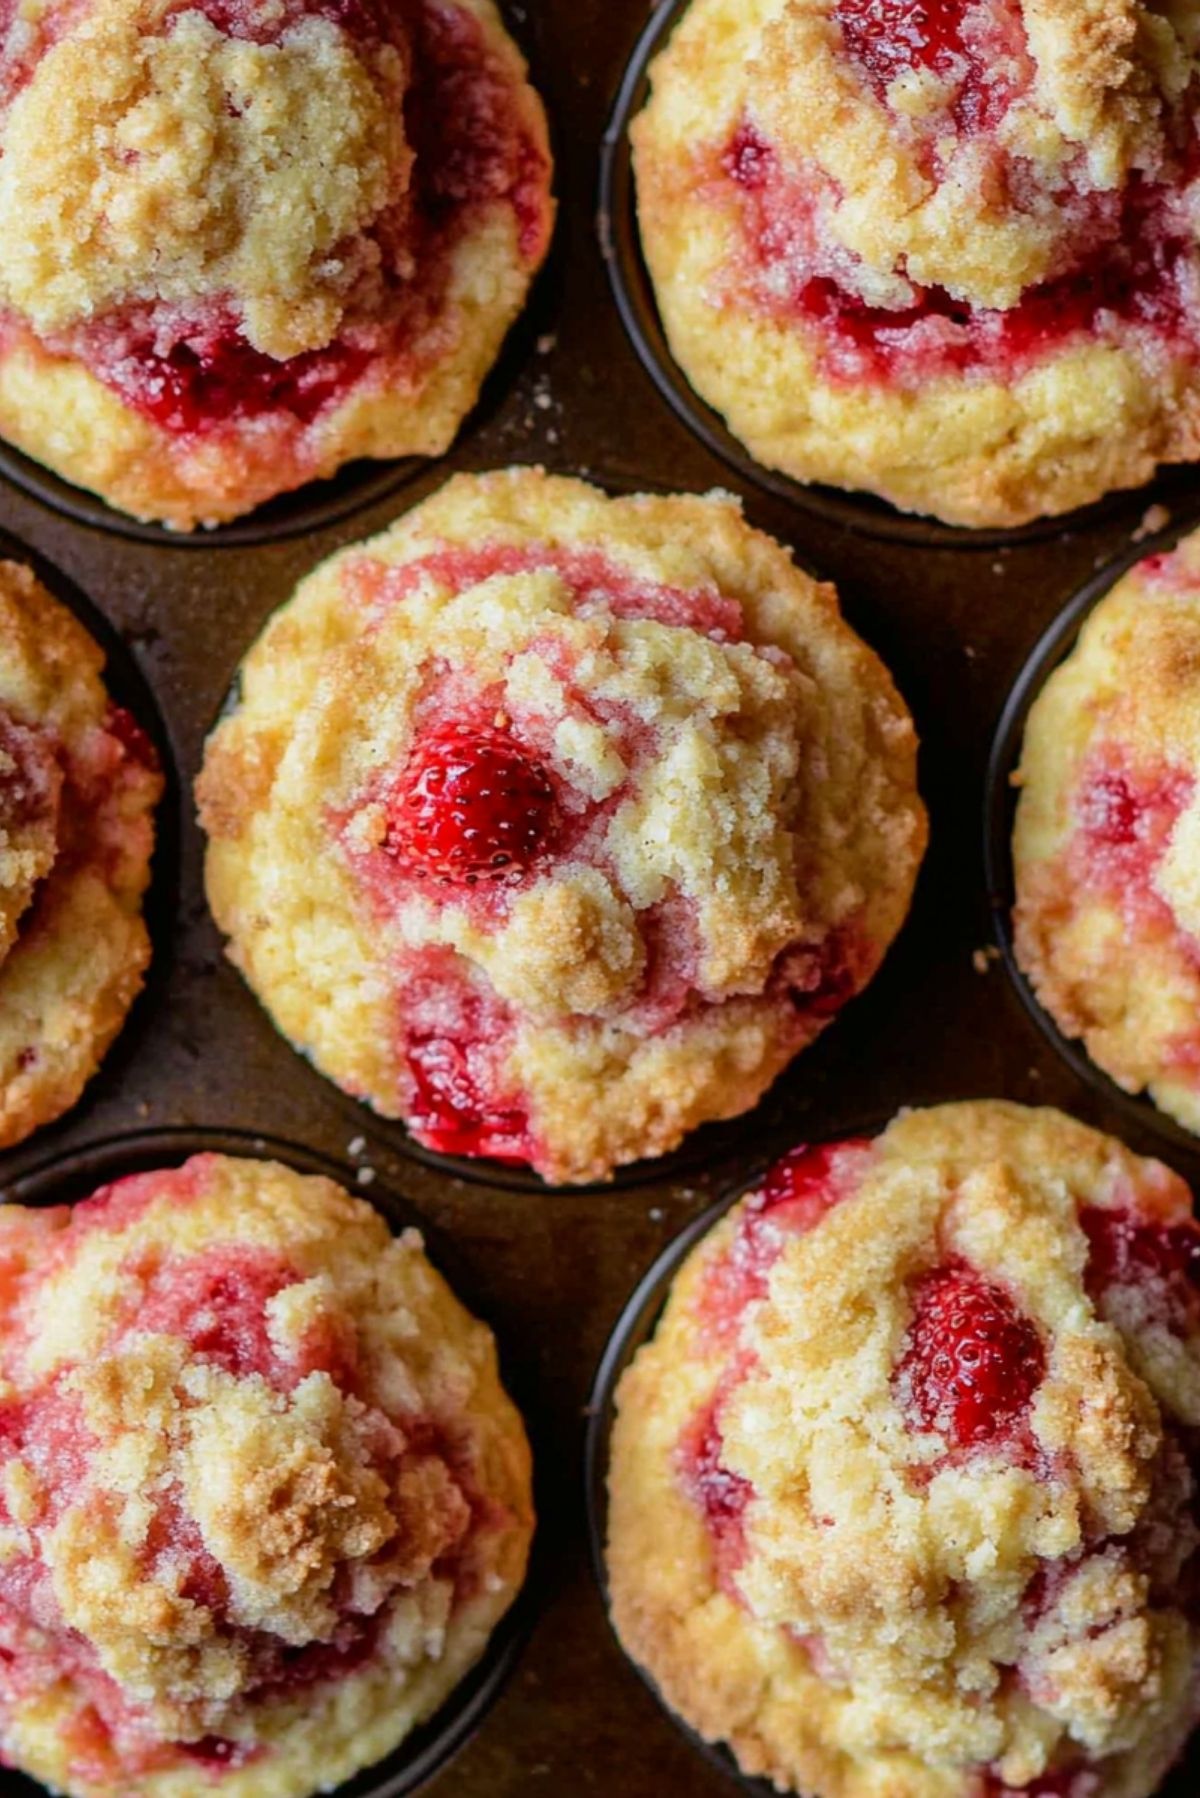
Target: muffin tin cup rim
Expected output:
[692,1154]
[634,1328]
[432,1744]
[1050,651]
[356,488]
[859,512]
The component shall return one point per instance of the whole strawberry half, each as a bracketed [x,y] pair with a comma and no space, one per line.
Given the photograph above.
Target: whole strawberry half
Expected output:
[473,803]
[973,1363]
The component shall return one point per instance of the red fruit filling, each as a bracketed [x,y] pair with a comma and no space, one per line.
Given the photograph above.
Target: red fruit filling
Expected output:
[217,1303]
[972,1363]
[595,582]
[450,1110]
[192,372]
[954,39]
[816,980]
[1076,1784]
[1125,817]
[128,733]
[1128,265]
[793,1198]
[1162,1260]
[1125,820]
[30,774]
[214,375]
[217,1755]
[456,1039]
[472,804]
[720,1495]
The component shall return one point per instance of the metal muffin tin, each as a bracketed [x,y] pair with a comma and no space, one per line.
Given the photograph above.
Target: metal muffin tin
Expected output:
[955,616]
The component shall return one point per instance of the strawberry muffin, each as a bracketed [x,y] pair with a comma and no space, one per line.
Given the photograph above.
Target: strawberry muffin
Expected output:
[1106,849]
[557,824]
[904,1489]
[942,252]
[78,786]
[262,1496]
[243,242]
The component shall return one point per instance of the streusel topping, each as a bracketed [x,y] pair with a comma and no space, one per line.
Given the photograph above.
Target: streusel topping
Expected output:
[920,1424]
[196,166]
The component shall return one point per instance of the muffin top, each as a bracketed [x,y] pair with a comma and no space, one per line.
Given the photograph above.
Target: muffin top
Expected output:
[1107,840]
[918,1426]
[951,160]
[230,155]
[261,1493]
[558,797]
[78,784]
[958,234]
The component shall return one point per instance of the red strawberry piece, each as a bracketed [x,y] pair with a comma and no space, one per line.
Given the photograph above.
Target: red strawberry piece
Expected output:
[133,740]
[889,36]
[814,1180]
[449,1109]
[973,1362]
[720,1494]
[1162,1259]
[472,804]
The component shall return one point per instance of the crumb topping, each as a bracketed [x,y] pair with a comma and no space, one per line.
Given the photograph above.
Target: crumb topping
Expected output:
[931,1478]
[193,165]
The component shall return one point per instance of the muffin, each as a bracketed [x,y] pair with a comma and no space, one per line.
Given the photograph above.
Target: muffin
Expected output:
[262,1497]
[1106,847]
[940,253]
[243,242]
[557,824]
[903,1491]
[78,785]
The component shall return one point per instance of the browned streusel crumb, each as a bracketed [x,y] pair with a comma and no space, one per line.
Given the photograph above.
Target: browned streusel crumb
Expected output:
[78,786]
[1107,841]
[738,827]
[879,1548]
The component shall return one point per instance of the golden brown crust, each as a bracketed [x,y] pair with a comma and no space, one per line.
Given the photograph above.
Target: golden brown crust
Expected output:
[1095,413]
[208,213]
[74,946]
[308,1495]
[774,800]
[1106,853]
[880,1633]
